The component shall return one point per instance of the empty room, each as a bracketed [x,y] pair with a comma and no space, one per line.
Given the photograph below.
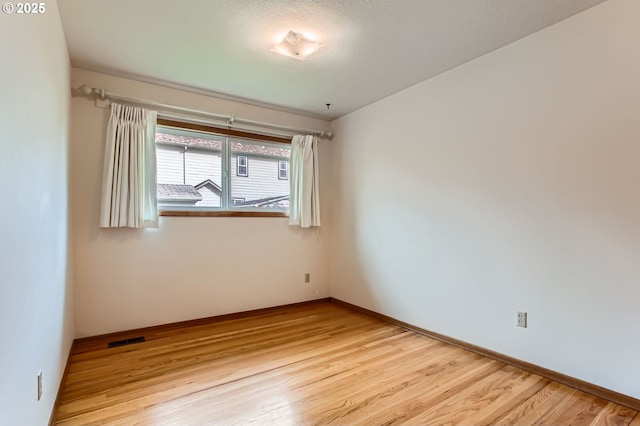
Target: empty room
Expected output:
[314,212]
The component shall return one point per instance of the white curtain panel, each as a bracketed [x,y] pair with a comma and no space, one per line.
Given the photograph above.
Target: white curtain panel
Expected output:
[304,199]
[129,179]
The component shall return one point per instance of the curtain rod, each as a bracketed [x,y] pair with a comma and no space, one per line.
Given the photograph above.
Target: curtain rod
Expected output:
[104,98]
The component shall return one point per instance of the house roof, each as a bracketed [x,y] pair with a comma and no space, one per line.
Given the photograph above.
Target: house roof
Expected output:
[262,201]
[176,192]
[214,186]
[170,139]
[167,192]
[237,145]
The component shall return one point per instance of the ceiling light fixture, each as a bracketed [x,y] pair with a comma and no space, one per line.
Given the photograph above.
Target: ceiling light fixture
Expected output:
[296,45]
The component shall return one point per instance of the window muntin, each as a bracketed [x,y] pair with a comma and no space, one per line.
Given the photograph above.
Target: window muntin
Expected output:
[200,171]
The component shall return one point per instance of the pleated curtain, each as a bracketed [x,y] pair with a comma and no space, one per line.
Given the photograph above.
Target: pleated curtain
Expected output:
[129,178]
[304,196]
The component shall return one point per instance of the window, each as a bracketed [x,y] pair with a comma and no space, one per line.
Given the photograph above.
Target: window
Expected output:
[242,166]
[195,171]
[283,169]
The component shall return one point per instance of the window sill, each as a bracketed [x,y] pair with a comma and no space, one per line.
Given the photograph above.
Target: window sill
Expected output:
[200,213]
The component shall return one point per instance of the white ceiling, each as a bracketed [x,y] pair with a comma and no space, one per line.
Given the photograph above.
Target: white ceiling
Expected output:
[372,48]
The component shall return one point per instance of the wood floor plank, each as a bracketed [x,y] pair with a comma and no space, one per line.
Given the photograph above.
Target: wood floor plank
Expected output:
[198,378]
[614,415]
[635,421]
[294,380]
[407,393]
[530,410]
[475,401]
[310,365]
[582,411]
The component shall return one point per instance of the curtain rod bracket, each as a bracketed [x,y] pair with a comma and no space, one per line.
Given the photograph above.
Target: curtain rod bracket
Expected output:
[103,103]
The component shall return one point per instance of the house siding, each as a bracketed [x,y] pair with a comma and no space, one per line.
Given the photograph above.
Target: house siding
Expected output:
[209,198]
[170,167]
[262,180]
[201,165]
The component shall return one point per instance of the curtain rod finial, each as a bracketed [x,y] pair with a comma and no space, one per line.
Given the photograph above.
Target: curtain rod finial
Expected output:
[89,91]
[86,89]
[328,134]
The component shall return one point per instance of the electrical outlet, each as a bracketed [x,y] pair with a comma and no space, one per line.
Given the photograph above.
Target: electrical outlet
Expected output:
[307,277]
[39,385]
[521,319]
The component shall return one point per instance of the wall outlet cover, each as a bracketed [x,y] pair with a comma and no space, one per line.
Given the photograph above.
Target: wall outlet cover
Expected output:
[521,320]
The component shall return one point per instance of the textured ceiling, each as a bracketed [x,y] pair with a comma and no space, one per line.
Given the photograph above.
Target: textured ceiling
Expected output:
[372,48]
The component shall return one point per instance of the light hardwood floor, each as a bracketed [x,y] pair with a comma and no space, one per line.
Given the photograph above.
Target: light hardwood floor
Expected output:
[311,365]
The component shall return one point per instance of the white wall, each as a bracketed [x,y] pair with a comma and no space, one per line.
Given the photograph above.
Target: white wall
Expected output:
[509,183]
[189,267]
[36,307]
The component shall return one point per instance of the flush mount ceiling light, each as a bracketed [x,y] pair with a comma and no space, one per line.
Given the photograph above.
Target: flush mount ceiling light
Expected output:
[296,45]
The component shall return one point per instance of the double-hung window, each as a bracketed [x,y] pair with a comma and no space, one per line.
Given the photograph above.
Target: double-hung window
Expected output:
[283,169]
[203,169]
[242,165]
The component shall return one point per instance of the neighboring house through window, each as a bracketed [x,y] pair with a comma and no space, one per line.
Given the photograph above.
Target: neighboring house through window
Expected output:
[195,171]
